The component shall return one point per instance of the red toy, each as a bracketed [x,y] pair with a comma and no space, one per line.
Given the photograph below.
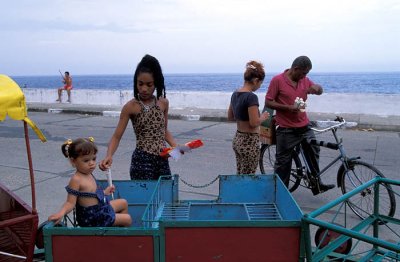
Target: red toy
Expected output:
[171,151]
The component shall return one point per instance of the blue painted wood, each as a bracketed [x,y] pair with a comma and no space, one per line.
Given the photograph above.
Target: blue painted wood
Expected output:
[246,189]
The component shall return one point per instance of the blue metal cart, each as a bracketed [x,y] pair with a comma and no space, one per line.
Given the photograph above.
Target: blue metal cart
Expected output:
[253,218]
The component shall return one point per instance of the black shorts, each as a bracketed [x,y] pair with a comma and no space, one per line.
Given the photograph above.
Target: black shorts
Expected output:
[146,166]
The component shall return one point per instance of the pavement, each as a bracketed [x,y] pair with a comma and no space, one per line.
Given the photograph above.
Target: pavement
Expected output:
[364,121]
[197,170]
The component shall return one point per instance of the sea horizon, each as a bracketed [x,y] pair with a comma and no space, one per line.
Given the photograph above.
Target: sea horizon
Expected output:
[332,82]
[210,73]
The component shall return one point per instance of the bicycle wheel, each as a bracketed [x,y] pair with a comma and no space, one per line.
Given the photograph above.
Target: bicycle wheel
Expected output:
[362,204]
[267,158]
[267,161]
[297,173]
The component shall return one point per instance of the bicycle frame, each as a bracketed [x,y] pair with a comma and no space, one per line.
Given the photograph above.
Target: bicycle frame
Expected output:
[342,154]
[351,173]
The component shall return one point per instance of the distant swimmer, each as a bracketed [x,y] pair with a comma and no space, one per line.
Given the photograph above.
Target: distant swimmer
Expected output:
[67,80]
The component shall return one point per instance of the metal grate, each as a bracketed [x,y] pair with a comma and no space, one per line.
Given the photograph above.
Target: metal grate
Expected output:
[175,212]
[254,211]
[263,212]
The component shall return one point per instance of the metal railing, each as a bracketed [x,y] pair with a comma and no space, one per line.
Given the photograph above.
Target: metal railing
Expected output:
[368,242]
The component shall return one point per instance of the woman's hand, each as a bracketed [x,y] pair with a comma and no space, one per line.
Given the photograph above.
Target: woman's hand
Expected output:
[106,163]
[264,116]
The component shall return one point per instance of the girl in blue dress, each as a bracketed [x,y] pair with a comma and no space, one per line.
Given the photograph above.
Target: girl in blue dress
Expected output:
[93,209]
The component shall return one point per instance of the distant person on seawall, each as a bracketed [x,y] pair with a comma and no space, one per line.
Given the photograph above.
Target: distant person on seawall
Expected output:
[67,80]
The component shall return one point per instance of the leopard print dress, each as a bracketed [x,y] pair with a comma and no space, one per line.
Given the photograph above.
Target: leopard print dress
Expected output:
[247,151]
[149,126]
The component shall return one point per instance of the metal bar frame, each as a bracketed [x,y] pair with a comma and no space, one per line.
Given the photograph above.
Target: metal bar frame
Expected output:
[391,250]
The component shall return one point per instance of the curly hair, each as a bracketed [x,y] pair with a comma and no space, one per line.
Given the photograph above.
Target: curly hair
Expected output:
[150,64]
[254,70]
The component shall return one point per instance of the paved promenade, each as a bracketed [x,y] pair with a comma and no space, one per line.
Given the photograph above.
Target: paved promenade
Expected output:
[200,167]
[197,170]
[364,121]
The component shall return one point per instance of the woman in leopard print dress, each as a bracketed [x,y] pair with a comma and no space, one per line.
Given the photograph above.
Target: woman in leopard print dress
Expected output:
[244,110]
[149,116]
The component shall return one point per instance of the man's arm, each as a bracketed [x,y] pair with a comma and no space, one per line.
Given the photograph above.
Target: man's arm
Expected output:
[278,106]
[315,90]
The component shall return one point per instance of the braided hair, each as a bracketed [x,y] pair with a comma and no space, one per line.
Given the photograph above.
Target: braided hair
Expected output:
[149,64]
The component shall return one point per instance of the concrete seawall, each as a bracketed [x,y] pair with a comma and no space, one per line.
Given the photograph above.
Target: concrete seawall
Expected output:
[368,104]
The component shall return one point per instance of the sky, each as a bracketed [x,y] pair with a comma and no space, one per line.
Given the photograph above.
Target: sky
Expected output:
[41,37]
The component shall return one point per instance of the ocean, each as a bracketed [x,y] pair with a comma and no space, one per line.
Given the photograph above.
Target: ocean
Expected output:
[362,83]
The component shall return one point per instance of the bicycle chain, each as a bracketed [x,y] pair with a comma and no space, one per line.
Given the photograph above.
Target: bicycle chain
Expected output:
[200,186]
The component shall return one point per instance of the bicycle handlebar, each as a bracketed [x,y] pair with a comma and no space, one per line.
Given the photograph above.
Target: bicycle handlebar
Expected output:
[341,123]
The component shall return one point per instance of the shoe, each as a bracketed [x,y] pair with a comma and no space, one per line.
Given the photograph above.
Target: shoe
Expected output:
[324,187]
[69,101]
[58,100]
[321,188]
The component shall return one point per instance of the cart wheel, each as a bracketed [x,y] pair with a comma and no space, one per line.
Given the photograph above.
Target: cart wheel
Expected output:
[324,236]
[39,241]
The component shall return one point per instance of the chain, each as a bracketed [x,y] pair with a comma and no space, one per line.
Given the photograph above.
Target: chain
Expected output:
[200,186]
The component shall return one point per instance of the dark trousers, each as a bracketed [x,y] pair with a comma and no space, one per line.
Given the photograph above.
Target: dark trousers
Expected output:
[286,140]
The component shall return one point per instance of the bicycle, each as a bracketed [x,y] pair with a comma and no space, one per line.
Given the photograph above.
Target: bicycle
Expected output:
[351,173]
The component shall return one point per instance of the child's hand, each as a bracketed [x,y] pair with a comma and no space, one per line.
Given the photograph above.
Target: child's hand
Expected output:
[56,218]
[109,190]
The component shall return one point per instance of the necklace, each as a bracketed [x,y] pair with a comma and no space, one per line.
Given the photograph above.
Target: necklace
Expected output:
[147,107]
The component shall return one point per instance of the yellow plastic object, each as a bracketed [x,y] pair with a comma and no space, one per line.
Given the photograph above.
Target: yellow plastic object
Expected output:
[12,103]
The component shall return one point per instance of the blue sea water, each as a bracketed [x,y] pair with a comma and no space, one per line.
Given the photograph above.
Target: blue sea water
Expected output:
[379,83]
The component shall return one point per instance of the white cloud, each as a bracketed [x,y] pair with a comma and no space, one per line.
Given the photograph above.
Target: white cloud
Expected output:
[99,36]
